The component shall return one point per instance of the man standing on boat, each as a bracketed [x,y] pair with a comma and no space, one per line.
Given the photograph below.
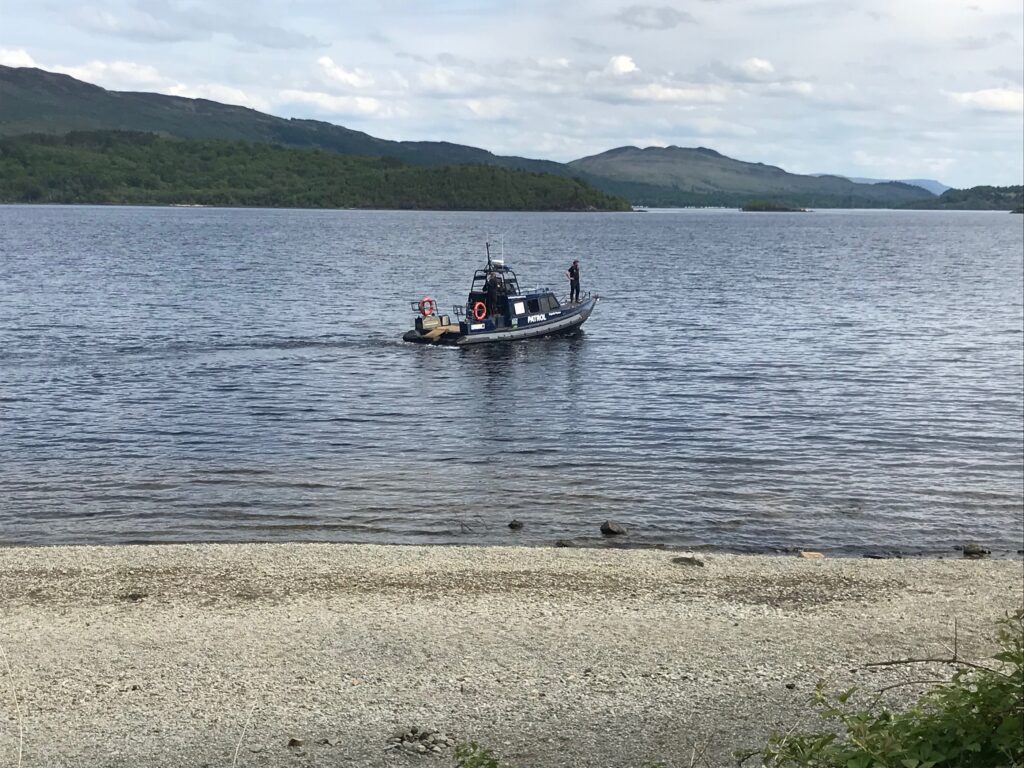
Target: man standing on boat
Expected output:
[573,273]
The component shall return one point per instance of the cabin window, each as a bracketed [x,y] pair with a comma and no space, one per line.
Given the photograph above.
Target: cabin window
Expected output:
[533,305]
[548,303]
[519,308]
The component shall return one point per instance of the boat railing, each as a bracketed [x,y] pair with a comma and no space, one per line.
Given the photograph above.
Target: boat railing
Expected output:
[564,300]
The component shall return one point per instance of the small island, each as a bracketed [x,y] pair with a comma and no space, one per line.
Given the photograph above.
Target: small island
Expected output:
[770,206]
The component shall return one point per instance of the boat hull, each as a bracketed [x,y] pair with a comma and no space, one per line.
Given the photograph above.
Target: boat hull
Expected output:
[567,322]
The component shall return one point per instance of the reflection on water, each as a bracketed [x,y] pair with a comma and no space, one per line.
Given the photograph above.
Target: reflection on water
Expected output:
[849,381]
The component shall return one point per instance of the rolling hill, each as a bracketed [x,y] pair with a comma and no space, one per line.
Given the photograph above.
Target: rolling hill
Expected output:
[691,175]
[36,101]
[932,185]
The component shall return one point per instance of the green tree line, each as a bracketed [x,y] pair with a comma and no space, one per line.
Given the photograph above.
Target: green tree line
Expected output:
[119,167]
[978,199]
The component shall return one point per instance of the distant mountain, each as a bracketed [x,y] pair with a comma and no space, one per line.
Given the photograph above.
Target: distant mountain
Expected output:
[976,199]
[680,176]
[36,101]
[933,186]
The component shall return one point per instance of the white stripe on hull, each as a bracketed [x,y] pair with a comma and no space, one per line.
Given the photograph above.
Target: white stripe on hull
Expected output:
[543,329]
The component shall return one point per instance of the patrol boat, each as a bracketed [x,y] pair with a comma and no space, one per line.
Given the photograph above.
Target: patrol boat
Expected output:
[499,310]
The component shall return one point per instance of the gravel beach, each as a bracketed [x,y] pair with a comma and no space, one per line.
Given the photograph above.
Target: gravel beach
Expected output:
[181,655]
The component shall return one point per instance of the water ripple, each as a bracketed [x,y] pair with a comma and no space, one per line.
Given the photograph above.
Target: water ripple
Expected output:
[849,381]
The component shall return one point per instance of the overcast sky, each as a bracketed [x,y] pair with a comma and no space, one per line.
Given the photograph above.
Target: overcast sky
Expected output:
[881,88]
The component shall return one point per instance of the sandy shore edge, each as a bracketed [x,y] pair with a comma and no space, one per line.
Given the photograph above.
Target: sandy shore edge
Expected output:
[156,655]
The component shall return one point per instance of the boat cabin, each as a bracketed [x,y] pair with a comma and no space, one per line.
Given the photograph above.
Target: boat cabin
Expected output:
[496,301]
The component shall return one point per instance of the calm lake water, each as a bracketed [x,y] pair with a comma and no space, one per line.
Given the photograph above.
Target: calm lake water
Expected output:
[847,381]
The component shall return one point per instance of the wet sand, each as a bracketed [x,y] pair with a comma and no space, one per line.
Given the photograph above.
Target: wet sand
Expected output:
[178,655]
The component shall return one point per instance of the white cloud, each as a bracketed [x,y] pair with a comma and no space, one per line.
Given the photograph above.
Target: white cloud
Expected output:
[333,105]
[171,22]
[991,99]
[621,65]
[443,80]
[757,68]
[713,126]
[558,63]
[654,17]
[491,108]
[667,93]
[222,93]
[131,23]
[354,78]
[117,74]
[131,75]
[16,57]
[901,166]
[790,87]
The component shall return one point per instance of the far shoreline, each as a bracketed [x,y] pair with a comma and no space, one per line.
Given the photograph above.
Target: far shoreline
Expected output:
[638,209]
[591,545]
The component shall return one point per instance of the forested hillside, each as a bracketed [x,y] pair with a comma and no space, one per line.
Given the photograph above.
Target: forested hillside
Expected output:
[142,168]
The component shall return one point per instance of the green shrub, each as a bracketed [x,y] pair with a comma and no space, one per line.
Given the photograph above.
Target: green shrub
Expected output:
[976,720]
[472,755]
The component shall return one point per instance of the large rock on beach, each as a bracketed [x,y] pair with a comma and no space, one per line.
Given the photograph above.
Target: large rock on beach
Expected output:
[973,549]
[611,528]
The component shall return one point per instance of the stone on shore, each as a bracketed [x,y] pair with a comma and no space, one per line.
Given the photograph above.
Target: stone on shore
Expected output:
[688,560]
[973,549]
[419,741]
[612,528]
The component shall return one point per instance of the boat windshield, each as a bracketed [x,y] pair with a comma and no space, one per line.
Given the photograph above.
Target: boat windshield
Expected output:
[498,278]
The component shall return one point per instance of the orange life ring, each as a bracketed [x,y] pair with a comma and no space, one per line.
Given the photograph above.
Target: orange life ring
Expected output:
[427,306]
[479,311]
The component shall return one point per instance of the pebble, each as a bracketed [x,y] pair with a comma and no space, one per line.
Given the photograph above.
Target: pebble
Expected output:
[419,741]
